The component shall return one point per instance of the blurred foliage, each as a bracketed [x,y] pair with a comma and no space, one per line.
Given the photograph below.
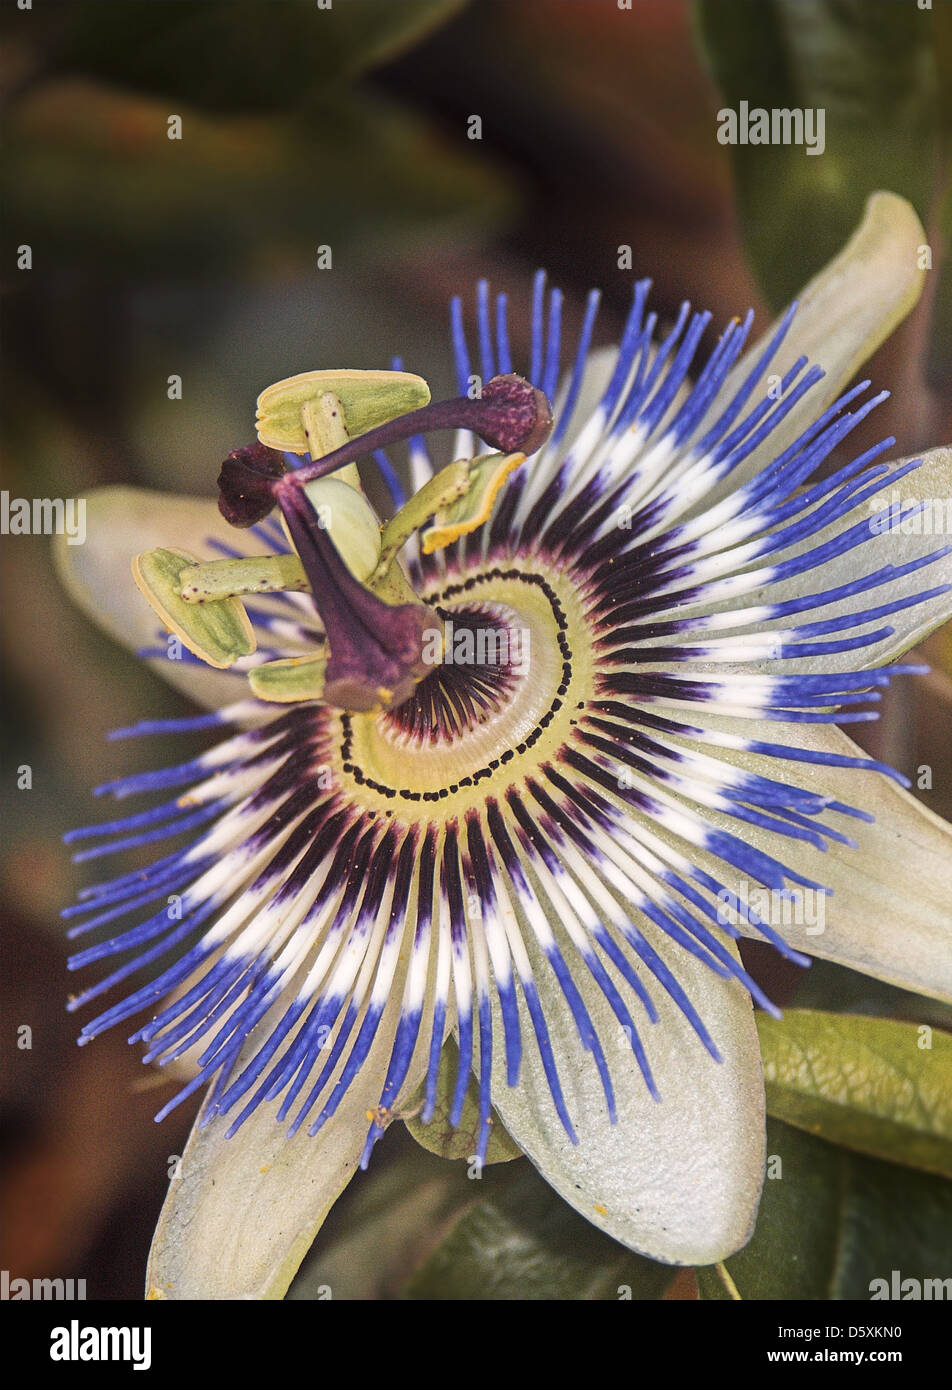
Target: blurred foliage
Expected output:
[524,1243]
[94,180]
[830,1222]
[383,1225]
[874,70]
[227,55]
[940,346]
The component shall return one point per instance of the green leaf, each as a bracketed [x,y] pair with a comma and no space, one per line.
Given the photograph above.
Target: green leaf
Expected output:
[523,1243]
[872,70]
[439,1136]
[234,55]
[831,1223]
[893,1220]
[876,1085]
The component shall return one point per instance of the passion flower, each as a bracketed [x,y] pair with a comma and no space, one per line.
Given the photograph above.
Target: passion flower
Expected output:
[539,732]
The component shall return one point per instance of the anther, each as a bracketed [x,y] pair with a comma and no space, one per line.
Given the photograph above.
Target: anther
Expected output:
[511,415]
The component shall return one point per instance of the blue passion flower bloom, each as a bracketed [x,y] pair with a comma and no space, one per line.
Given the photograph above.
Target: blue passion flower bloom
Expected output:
[543,835]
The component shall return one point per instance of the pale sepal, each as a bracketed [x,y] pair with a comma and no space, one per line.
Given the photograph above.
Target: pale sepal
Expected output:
[677,1180]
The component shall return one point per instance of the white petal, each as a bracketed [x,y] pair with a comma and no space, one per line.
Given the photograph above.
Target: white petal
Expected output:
[889,544]
[842,316]
[244,1212]
[678,1180]
[890,914]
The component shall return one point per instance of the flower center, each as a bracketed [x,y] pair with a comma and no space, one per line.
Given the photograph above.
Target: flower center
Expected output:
[376,655]
[484,653]
[508,688]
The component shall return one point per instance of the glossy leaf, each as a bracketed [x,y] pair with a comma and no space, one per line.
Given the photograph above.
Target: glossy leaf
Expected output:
[873,1084]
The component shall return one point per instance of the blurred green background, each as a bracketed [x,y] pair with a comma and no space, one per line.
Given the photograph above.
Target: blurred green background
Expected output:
[348,128]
